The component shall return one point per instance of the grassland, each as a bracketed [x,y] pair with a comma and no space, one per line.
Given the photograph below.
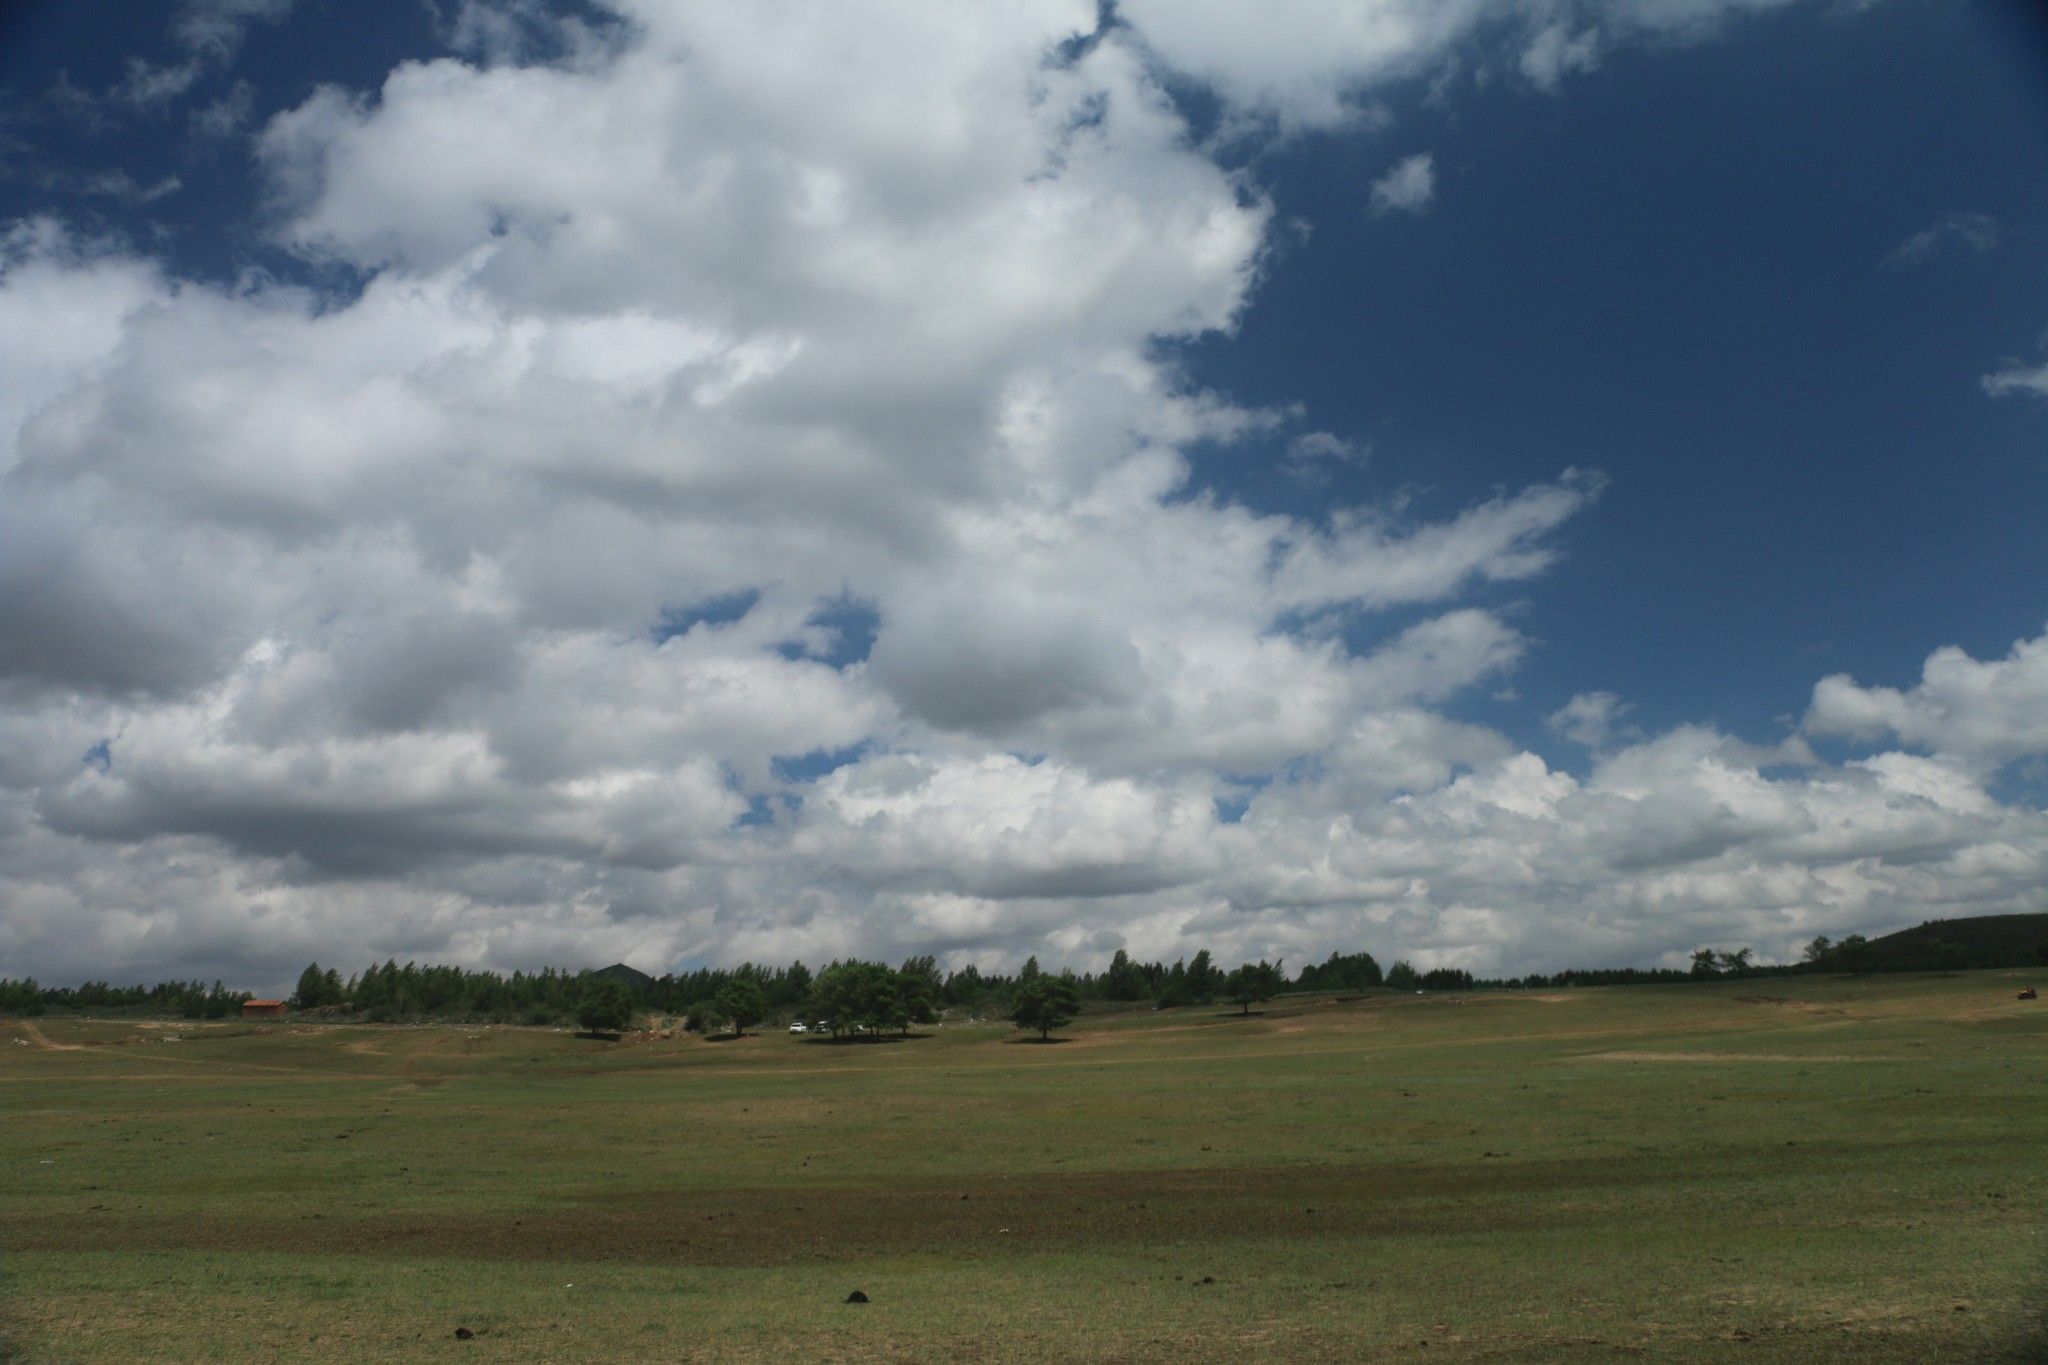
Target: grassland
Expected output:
[1806,1169]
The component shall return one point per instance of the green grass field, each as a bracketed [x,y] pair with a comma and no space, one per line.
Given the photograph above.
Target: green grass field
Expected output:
[1803,1169]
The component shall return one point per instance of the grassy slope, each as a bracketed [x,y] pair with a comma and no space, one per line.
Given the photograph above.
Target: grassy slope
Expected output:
[2013,937]
[1789,1170]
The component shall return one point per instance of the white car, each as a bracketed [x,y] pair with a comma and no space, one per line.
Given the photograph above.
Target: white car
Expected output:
[798,1028]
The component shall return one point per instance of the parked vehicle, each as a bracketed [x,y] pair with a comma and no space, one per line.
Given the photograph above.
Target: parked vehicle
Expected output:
[798,1027]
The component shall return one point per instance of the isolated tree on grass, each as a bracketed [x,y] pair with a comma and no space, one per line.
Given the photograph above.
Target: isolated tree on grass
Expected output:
[1254,983]
[606,1006]
[1046,1003]
[741,1003]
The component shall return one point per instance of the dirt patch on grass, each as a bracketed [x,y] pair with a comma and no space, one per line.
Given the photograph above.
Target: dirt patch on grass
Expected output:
[1785,1002]
[36,1039]
[764,1227]
[1632,1056]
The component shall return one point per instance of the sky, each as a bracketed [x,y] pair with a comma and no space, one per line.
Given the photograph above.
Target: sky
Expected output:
[1510,484]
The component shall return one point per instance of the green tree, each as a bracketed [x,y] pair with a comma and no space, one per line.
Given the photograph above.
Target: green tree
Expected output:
[847,994]
[1204,978]
[1706,962]
[1940,955]
[1818,950]
[1403,977]
[917,992]
[1343,972]
[1174,990]
[1854,954]
[605,1006]
[741,1003]
[1124,980]
[312,990]
[1254,983]
[1046,1003]
[1031,970]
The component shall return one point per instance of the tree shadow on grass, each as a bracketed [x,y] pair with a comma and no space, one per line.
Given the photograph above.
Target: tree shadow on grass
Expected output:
[599,1035]
[1036,1042]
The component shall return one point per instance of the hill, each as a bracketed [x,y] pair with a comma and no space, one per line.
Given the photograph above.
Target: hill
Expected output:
[1983,941]
[633,978]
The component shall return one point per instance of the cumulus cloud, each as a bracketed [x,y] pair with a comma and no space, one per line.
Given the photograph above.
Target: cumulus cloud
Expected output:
[738,509]
[1981,713]
[1410,187]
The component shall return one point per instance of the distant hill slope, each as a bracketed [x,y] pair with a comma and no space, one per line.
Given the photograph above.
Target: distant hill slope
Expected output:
[1985,940]
[638,980]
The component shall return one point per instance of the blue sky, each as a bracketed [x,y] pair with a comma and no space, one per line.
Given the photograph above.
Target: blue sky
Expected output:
[1677,273]
[1511,484]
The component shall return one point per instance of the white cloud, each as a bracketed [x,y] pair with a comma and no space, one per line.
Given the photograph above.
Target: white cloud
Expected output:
[149,85]
[506,610]
[1316,63]
[1307,63]
[209,33]
[2017,379]
[216,27]
[227,116]
[1410,187]
[1313,454]
[1592,719]
[1962,709]
[1975,233]
[1555,52]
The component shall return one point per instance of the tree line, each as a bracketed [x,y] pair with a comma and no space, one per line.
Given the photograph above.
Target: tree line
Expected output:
[177,999]
[874,997]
